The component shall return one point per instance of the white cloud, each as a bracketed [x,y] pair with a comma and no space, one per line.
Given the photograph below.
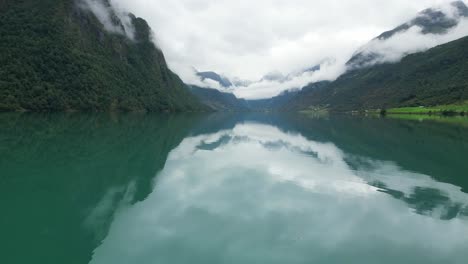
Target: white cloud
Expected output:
[266,89]
[257,187]
[104,15]
[247,39]
[411,41]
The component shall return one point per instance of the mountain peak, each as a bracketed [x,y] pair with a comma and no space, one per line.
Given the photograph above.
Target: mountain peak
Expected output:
[436,21]
[433,20]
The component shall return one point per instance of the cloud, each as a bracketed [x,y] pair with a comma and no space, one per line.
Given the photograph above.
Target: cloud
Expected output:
[120,24]
[412,40]
[301,198]
[330,70]
[247,39]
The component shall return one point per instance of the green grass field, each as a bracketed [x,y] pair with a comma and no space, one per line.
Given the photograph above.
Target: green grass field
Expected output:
[461,108]
[454,120]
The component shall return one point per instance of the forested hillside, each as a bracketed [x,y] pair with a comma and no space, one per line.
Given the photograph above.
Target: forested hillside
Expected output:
[437,76]
[56,55]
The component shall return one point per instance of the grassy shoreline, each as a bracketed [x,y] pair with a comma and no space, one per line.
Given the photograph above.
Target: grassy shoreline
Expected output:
[460,109]
[450,114]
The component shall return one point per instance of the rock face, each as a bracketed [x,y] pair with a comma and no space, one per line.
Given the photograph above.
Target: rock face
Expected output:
[63,55]
[430,21]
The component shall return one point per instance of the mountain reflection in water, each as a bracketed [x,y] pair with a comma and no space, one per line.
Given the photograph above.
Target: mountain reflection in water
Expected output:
[232,189]
[257,194]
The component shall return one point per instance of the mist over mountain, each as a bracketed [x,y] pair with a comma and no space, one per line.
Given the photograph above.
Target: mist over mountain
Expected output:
[94,55]
[431,27]
[213,76]
[438,76]
[214,80]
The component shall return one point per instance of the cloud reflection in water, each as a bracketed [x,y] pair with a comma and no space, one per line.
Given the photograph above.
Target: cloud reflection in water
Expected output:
[255,194]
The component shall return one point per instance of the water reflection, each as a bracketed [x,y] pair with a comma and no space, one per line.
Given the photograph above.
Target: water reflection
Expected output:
[256,194]
[422,193]
[63,176]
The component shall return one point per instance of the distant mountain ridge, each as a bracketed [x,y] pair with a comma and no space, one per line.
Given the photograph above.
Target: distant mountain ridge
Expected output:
[219,101]
[431,21]
[437,76]
[274,76]
[274,103]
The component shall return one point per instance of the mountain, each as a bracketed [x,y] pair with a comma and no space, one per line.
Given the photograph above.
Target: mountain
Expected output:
[219,101]
[434,77]
[273,104]
[223,81]
[59,55]
[435,21]
[228,102]
[274,76]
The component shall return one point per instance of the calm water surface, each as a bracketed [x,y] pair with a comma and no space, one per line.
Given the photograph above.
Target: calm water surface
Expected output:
[111,189]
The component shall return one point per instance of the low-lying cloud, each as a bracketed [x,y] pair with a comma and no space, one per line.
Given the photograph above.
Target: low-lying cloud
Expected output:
[413,40]
[121,24]
[246,39]
[329,70]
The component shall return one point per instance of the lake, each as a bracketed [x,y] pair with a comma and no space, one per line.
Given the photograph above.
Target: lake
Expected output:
[231,188]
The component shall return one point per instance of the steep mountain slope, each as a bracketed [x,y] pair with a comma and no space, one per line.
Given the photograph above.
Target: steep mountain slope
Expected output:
[437,76]
[432,21]
[56,55]
[219,101]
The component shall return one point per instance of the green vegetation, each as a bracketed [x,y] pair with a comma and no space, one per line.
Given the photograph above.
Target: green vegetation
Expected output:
[452,109]
[56,56]
[449,114]
[219,101]
[455,120]
[438,76]
[315,111]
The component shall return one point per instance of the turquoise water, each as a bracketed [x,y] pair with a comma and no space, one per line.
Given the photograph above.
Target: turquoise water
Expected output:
[257,188]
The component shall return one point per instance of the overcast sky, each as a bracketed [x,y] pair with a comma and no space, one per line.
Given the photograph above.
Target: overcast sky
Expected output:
[249,38]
